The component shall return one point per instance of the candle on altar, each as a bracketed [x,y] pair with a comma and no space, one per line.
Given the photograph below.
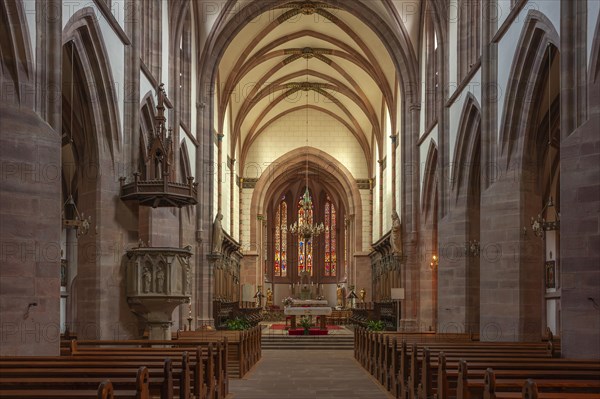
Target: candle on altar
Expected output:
[190,309]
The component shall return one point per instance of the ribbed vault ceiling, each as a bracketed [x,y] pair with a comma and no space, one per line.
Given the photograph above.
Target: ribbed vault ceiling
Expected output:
[307,48]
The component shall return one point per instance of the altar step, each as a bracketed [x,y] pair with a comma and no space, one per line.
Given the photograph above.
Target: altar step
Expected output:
[345,342]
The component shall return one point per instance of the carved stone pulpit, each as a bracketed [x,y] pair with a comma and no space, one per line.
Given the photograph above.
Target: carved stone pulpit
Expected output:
[158,280]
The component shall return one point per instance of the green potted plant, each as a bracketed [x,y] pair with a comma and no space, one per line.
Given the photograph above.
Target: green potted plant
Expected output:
[375,325]
[305,323]
[238,324]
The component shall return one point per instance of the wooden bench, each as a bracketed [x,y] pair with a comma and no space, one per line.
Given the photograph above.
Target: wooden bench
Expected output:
[393,366]
[563,389]
[244,347]
[209,361]
[413,371]
[464,382]
[75,387]
[449,378]
[163,382]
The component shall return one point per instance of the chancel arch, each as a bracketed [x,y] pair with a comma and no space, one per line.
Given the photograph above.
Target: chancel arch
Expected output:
[330,185]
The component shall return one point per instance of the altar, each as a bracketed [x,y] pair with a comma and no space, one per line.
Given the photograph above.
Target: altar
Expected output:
[309,307]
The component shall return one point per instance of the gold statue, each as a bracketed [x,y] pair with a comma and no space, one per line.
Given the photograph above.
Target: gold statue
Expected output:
[362,294]
[269,298]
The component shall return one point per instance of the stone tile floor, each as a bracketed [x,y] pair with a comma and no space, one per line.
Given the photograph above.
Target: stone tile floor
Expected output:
[307,374]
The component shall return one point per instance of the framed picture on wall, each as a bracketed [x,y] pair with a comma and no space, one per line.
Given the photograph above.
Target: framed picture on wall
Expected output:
[550,274]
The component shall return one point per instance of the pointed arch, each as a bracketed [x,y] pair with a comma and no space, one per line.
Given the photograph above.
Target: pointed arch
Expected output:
[230,22]
[429,180]
[538,32]
[147,128]
[594,69]
[467,143]
[16,60]
[339,180]
[186,170]
[90,50]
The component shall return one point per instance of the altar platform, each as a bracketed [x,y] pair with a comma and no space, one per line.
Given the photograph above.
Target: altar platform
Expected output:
[281,330]
[308,308]
[311,331]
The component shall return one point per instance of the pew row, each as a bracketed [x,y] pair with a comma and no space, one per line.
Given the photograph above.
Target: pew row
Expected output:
[431,367]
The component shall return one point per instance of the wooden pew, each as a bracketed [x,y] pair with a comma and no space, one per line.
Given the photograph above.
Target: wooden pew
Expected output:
[471,382]
[395,368]
[244,347]
[74,387]
[572,389]
[208,361]
[428,372]
[163,381]
[448,375]
[415,372]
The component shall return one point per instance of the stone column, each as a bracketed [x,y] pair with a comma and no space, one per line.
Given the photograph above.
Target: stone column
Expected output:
[579,198]
[380,197]
[394,144]
[220,171]
[71,256]
[410,212]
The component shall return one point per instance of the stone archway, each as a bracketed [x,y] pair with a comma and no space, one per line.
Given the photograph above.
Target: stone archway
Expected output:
[394,38]
[92,127]
[515,313]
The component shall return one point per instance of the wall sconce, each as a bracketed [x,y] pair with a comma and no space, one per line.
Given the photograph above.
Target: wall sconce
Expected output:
[78,221]
[540,225]
[472,248]
[434,262]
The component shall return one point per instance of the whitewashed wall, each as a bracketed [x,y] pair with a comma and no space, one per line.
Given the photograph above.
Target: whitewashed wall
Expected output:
[423,150]
[387,182]
[507,47]
[592,21]
[246,201]
[112,42]
[366,219]
[376,203]
[473,87]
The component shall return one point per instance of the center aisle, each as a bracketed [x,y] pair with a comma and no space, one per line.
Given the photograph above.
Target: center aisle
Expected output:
[306,374]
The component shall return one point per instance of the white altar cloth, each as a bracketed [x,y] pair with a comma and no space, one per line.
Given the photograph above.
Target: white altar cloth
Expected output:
[309,302]
[302,311]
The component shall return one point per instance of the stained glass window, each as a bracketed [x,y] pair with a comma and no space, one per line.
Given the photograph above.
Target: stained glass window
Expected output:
[305,247]
[280,265]
[330,239]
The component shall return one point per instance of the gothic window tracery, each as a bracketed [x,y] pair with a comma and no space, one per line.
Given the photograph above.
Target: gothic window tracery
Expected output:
[330,269]
[280,264]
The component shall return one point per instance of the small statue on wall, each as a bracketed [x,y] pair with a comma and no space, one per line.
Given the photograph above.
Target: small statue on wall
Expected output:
[396,235]
[146,279]
[362,294]
[217,234]
[340,295]
[160,280]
